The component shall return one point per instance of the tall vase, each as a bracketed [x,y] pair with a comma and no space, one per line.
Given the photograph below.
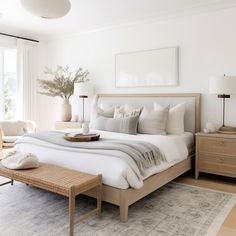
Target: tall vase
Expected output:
[66,110]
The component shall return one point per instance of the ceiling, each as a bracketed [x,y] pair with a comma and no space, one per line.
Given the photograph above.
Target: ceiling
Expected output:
[89,15]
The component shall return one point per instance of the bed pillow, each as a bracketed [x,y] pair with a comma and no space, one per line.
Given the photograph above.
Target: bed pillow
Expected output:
[106,112]
[153,121]
[175,123]
[100,111]
[126,125]
[126,111]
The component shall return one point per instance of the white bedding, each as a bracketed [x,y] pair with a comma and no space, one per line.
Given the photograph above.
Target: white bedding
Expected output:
[116,172]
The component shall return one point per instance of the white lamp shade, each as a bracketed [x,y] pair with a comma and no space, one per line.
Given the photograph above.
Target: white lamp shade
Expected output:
[83,89]
[223,85]
[48,9]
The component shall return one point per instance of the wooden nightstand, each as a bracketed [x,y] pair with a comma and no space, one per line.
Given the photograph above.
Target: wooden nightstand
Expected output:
[215,154]
[59,125]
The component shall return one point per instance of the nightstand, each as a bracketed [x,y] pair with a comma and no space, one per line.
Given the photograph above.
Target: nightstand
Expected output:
[215,154]
[59,125]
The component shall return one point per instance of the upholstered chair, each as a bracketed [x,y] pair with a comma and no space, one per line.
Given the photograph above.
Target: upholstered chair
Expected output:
[12,130]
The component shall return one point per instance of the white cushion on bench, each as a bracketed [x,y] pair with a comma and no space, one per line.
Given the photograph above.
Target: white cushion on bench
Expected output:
[18,161]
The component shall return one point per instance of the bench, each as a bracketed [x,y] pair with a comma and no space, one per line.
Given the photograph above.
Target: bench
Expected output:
[63,181]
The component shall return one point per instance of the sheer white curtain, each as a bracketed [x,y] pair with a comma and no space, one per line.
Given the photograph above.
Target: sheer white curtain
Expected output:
[5,43]
[27,76]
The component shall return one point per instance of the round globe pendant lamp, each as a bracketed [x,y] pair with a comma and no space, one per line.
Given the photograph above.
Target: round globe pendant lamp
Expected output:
[48,9]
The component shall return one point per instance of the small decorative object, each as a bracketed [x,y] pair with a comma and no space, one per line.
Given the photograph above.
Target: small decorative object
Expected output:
[210,128]
[62,86]
[85,128]
[81,137]
[74,118]
[223,86]
[65,110]
[206,131]
[83,90]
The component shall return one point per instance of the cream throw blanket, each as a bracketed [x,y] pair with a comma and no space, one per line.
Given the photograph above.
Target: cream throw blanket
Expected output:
[18,161]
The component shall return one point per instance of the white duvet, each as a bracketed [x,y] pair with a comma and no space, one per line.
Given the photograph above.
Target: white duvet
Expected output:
[115,171]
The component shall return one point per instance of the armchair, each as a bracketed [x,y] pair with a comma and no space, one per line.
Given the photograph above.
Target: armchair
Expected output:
[12,130]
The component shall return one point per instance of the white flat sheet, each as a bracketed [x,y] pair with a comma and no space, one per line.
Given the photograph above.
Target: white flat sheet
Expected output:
[115,172]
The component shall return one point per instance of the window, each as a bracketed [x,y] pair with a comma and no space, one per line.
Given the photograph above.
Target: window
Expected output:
[8,87]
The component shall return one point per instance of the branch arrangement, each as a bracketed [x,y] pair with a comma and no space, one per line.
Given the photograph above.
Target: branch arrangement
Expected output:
[63,83]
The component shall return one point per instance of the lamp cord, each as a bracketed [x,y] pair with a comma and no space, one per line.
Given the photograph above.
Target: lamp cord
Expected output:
[223,112]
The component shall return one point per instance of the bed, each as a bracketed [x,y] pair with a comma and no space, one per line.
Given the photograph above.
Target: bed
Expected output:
[120,185]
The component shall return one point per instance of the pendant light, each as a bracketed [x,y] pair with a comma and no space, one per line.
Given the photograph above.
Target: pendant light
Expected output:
[48,9]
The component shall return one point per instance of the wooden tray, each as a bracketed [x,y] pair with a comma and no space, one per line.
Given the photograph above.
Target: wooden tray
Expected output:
[82,137]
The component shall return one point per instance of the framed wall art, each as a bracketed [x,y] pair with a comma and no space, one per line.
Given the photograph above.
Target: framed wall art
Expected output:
[148,68]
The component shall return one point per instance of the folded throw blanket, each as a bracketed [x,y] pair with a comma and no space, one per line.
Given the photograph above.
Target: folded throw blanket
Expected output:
[144,154]
[18,161]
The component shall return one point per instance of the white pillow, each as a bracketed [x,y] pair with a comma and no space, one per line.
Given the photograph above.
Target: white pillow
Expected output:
[175,123]
[153,121]
[18,161]
[126,110]
[100,111]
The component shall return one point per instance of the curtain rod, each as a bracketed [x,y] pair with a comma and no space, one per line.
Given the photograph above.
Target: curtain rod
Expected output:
[18,37]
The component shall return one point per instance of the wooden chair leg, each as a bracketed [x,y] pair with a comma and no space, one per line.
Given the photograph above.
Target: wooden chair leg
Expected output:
[72,210]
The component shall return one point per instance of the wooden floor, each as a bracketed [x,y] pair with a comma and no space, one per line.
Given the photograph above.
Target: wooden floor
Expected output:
[217,183]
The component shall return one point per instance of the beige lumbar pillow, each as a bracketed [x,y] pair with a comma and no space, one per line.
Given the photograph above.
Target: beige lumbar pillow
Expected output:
[153,121]
[175,123]
[18,161]
[126,111]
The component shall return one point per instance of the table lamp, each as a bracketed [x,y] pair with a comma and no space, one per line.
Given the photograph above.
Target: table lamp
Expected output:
[223,86]
[83,90]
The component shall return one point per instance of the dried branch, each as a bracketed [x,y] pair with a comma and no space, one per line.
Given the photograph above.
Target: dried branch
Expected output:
[63,83]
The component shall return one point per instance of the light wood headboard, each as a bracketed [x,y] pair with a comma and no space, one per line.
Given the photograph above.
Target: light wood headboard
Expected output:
[193,104]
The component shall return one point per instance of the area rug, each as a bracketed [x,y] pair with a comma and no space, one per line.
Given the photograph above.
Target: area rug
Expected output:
[173,210]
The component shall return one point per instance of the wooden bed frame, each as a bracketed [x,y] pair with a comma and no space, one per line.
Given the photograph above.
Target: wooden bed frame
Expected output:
[126,197]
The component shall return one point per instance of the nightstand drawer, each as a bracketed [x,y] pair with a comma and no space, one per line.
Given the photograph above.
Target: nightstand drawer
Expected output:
[219,146]
[217,164]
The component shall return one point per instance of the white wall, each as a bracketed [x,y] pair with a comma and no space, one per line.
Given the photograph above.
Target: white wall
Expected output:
[207,45]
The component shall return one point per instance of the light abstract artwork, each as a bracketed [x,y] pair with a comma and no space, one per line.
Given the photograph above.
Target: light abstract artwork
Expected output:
[156,67]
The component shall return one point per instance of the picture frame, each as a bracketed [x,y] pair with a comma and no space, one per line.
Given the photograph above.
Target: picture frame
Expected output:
[147,68]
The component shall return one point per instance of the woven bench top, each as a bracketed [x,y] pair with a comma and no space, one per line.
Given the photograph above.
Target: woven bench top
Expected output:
[54,178]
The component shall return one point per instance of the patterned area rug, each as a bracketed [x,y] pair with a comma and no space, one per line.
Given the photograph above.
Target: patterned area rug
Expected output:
[173,210]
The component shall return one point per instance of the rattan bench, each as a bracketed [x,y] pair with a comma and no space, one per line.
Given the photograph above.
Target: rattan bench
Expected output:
[62,181]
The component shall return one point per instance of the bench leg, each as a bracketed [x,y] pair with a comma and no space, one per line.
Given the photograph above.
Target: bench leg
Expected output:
[99,200]
[8,182]
[72,210]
